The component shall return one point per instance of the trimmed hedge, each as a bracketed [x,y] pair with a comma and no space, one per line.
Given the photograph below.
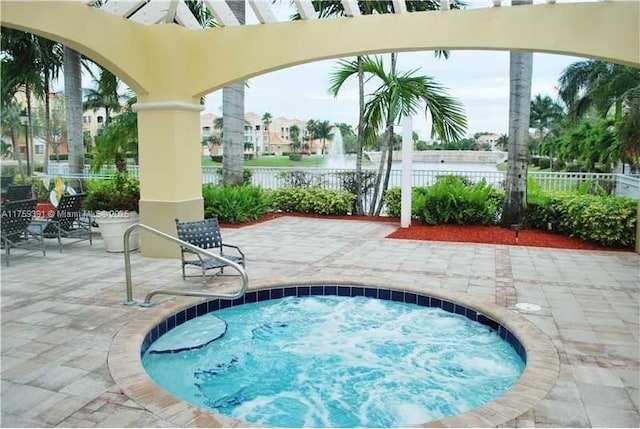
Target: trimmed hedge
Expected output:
[234,204]
[312,200]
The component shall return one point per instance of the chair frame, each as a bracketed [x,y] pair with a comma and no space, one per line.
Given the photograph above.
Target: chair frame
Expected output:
[19,192]
[17,217]
[67,222]
[206,235]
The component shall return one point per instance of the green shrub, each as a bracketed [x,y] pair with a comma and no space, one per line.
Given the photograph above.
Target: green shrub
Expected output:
[544,163]
[40,192]
[234,204]
[312,200]
[295,156]
[610,221]
[451,199]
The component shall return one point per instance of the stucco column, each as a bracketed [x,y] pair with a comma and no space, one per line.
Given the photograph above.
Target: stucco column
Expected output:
[170,170]
[638,227]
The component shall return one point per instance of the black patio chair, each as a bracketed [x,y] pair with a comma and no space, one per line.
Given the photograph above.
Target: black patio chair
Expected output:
[19,192]
[206,235]
[67,222]
[15,232]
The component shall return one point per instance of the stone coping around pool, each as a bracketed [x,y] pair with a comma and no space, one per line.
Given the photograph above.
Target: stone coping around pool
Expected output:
[541,370]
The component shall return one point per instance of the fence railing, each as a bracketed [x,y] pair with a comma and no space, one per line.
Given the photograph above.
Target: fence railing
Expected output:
[341,179]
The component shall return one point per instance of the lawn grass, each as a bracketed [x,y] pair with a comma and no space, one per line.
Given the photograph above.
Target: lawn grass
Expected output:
[274,161]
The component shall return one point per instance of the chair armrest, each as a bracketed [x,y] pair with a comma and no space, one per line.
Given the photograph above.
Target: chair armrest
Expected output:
[234,247]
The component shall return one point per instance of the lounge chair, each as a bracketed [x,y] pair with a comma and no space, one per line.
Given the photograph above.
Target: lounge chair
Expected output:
[15,232]
[67,222]
[206,235]
[19,192]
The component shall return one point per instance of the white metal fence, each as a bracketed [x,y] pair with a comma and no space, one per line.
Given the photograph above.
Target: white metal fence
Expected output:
[273,178]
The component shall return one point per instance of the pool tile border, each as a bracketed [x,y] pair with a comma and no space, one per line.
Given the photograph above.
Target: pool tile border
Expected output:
[536,349]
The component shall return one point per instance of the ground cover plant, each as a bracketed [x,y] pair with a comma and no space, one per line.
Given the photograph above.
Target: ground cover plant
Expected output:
[234,204]
[312,200]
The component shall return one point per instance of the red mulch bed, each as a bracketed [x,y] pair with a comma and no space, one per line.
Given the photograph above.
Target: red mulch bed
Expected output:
[458,233]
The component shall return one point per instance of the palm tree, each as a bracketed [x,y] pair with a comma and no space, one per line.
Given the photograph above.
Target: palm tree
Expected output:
[630,132]
[73,107]
[328,8]
[233,114]
[598,86]
[119,140]
[267,119]
[10,122]
[295,132]
[105,95]
[546,115]
[323,132]
[399,95]
[520,71]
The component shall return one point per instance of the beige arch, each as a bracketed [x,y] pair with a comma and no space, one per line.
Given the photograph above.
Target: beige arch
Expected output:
[171,62]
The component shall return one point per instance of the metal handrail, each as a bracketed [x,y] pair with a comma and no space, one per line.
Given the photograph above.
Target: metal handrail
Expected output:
[147,299]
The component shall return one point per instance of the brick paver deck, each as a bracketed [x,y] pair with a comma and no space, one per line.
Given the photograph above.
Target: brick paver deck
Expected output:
[60,314]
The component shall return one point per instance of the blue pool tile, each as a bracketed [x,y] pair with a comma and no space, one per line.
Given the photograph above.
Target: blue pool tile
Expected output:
[224,303]
[471,314]
[344,291]
[201,309]
[238,301]
[214,305]
[435,302]
[191,313]
[488,322]
[162,328]
[502,332]
[290,291]
[171,322]
[447,306]
[410,298]
[512,340]
[264,295]
[460,309]
[317,290]
[424,301]
[250,297]
[304,290]
[357,291]
[384,294]
[181,317]
[370,292]
[277,293]
[330,290]
[397,296]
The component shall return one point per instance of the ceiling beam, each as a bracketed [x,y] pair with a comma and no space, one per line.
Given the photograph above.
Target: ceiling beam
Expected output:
[350,7]
[263,11]
[444,5]
[152,13]
[305,9]
[399,6]
[171,12]
[122,8]
[222,13]
[185,17]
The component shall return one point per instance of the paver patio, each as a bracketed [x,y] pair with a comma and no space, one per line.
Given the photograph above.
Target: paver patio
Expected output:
[61,312]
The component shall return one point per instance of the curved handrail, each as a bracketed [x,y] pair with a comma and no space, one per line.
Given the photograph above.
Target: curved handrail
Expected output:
[147,299]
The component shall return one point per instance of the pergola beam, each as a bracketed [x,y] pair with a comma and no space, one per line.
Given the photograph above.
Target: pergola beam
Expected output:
[305,9]
[263,11]
[351,7]
[399,6]
[222,12]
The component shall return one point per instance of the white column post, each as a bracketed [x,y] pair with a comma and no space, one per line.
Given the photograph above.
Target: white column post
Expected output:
[407,152]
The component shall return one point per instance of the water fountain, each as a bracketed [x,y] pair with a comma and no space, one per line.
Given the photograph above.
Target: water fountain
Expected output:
[337,157]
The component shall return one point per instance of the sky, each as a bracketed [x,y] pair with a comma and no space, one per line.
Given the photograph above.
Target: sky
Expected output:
[478,79]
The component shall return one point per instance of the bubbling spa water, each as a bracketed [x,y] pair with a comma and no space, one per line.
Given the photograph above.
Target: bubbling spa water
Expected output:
[329,361]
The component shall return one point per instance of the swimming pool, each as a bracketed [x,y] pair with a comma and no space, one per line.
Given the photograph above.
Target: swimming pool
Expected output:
[402,370]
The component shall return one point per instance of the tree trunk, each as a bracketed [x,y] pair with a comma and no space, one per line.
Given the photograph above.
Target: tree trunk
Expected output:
[73,108]
[16,150]
[376,191]
[28,137]
[520,70]
[233,119]
[360,143]
[390,118]
[47,118]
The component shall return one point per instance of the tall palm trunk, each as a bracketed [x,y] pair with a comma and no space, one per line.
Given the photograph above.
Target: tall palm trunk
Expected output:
[233,119]
[47,118]
[360,142]
[390,117]
[376,191]
[520,71]
[73,108]
[28,138]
